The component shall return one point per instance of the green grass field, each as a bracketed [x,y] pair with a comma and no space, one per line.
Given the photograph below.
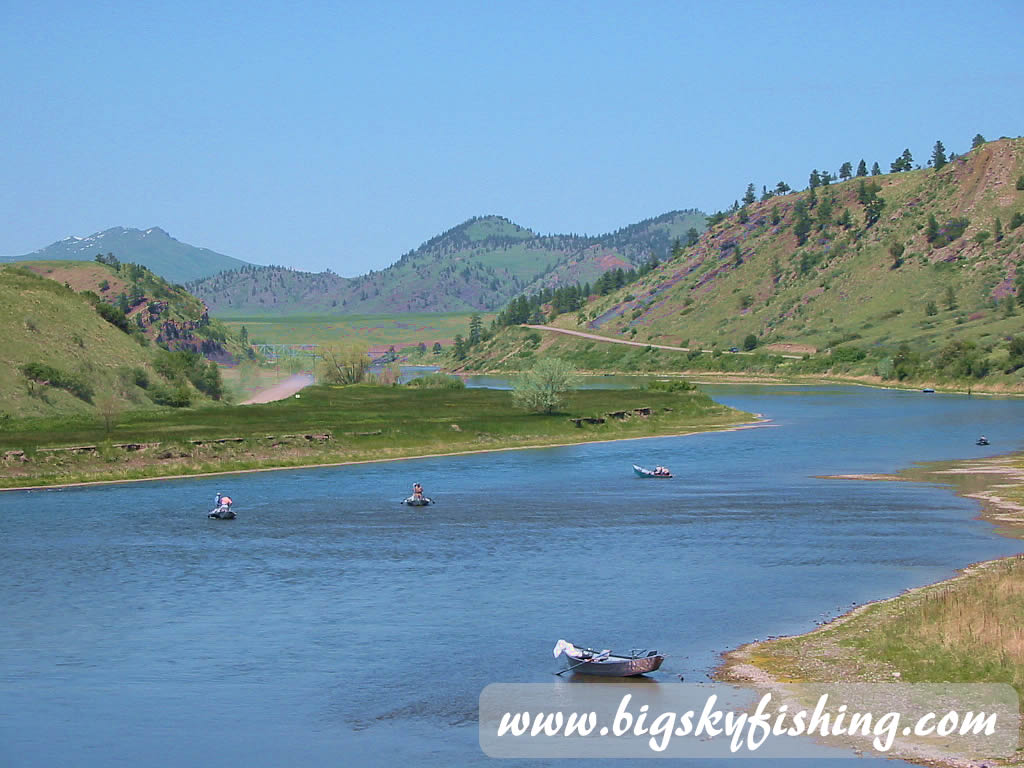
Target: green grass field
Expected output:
[372,330]
[365,422]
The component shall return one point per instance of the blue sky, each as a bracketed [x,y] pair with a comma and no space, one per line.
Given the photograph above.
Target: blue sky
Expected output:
[342,134]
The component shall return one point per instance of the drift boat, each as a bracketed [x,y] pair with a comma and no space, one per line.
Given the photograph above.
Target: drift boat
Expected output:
[587,661]
[642,472]
[422,501]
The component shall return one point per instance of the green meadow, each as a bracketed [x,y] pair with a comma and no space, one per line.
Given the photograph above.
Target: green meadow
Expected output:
[372,330]
[330,424]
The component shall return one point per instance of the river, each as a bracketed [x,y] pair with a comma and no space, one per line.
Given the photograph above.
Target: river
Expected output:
[329,625]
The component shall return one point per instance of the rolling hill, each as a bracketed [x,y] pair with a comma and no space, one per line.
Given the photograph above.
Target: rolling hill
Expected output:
[914,275]
[80,337]
[153,248]
[477,266]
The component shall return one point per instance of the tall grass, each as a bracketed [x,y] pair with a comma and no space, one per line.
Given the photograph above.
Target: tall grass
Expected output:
[968,630]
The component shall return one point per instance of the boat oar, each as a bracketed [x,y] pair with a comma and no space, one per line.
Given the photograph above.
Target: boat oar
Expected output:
[570,669]
[581,663]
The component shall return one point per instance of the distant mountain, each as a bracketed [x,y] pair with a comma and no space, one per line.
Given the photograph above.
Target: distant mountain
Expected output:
[479,265]
[152,248]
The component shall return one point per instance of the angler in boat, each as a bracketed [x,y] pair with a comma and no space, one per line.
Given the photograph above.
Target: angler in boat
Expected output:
[417,499]
[658,471]
[222,508]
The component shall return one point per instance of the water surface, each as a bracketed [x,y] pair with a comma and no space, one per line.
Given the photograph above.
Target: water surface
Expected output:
[330,625]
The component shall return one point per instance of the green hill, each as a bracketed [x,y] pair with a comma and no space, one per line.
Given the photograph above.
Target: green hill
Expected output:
[477,266]
[912,276]
[83,338]
[152,248]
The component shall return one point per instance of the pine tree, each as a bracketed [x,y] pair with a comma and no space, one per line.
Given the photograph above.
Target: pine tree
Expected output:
[977,141]
[459,347]
[801,222]
[875,170]
[815,179]
[845,171]
[862,168]
[938,156]
[749,197]
[998,229]
[873,210]
[692,236]
[476,328]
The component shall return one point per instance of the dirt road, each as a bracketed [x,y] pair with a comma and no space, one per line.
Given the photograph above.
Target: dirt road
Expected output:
[283,389]
[596,337]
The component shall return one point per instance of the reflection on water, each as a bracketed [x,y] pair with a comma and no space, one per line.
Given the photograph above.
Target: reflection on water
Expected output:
[328,624]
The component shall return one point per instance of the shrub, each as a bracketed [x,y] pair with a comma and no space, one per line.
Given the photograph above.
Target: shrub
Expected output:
[749,342]
[896,252]
[848,354]
[176,397]
[137,376]
[46,374]
[438,381]
[542,387]
[113,315]
[1015,360]
[671,385]
[343,365]
[946,234]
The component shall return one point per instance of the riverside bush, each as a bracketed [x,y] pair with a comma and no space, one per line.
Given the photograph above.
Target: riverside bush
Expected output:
[47,374]
[672,385]
[437,381]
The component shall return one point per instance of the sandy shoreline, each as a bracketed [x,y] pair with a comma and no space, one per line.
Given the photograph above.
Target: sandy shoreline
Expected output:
[734,428]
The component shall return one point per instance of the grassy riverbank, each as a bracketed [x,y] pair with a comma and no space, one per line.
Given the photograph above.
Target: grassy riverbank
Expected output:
[328,425]
[964,630]
[515,348]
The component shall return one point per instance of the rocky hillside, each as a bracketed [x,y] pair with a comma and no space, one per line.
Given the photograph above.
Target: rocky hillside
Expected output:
[914,275]
[478,265]
[152,248]
[82,336]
